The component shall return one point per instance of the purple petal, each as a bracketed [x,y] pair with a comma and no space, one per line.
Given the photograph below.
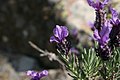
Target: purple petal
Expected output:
[105,2]
[105,38]
[97,5]
[57,32]
[94,4]
[36,75]
[64,32]
[60,32]
[43,73]
[105,32]
[96,35]
[117,21]
[114,19]
[32,74]
[53,39]
[114,12]
[90,2]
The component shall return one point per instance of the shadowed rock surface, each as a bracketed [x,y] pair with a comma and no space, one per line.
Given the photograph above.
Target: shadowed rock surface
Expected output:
[27,20]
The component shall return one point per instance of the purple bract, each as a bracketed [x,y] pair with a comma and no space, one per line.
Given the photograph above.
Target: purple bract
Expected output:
[115,20]
[60,33]
[37,75]
[103,36]
[97,5]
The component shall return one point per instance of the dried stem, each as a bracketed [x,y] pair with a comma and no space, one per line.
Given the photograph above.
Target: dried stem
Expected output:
[50,55]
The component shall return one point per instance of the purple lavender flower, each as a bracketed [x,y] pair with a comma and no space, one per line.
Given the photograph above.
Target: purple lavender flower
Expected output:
[97,5]
[37,75]
[60,33]
[103,36]
[104,51]
[100,13]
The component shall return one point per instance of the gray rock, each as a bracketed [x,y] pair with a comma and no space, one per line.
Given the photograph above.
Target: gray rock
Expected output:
[25,63]
[7,72]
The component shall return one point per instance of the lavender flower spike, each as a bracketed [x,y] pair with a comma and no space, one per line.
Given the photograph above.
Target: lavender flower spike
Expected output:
[115,32]
[97,5]
[103,36]
[60,33]
[37,75]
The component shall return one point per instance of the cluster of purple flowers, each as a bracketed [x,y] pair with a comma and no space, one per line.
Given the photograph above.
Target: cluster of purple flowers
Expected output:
[106,31]
[37,75]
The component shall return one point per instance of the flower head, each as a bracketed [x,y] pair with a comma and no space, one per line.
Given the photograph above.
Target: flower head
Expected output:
[37,75]
[97,5]
[104,51]
[60,33]
[103,36]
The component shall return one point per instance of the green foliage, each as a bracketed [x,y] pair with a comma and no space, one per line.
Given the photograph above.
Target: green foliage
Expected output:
[88,66]
[90,62]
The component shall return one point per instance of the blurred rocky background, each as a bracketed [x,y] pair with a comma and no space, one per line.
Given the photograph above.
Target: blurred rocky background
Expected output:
[22,21]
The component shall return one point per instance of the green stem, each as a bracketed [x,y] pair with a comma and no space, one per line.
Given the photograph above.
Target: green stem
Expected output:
[105,71]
